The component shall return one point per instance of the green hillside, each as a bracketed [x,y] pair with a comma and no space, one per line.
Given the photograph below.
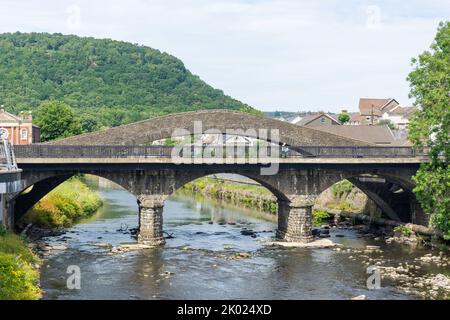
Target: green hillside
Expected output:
[112,82]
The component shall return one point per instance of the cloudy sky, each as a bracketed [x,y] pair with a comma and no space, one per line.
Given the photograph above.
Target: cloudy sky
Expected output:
[274,55]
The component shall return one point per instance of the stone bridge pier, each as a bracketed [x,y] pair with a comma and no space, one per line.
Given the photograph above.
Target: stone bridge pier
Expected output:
[151,219]
[295,218]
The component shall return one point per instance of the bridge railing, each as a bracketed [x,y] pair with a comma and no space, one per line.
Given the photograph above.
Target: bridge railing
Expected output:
[138,151]
[7,158]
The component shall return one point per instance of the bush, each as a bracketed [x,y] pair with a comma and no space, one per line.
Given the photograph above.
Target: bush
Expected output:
[18,276]
[17,279]
[403,230]
[319,217]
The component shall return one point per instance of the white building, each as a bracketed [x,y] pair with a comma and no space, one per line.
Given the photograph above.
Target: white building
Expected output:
[399,116]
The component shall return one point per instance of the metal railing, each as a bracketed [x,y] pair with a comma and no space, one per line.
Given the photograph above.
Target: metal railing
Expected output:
[7,158]
[139,151]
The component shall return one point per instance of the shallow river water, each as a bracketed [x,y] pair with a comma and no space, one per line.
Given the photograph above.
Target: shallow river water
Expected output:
[198,262]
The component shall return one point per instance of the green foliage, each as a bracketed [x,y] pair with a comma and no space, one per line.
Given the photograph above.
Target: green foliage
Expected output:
[170,142]
[403,230]
[433,192]
[387,122]
[65,205]
[3,230]
[57,120]
[344,206]
[430,127]
[113,82]
[342,187]
[18,276]
[344,117]
[89,123]
[319,217]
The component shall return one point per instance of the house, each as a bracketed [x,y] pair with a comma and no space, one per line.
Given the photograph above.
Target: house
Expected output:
[379,135]
[371,110]
[399,116]
[18,129]
[318,119]
[227,139]
[355,119]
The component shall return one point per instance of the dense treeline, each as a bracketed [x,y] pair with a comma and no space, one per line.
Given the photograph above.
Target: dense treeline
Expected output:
[112,82]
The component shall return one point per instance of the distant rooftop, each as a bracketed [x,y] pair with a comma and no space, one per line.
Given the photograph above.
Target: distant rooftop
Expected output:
[373,134]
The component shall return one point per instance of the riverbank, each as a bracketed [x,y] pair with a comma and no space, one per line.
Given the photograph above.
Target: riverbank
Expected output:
[242,195]
[19,269]
[64,206]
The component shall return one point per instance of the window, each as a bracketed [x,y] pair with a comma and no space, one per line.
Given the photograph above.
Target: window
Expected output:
[23,134]
[322,120]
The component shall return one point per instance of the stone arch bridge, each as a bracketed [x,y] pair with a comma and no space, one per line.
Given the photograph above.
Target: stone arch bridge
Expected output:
[125,156]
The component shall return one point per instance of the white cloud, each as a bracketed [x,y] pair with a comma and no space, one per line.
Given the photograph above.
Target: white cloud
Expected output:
[271,54]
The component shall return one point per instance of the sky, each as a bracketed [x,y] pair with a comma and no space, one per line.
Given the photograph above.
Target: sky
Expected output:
[273,55]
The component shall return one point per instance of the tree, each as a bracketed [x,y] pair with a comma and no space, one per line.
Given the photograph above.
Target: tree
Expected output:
[96,75]
[56,120]
[344,117]
[430,127]
[88,123]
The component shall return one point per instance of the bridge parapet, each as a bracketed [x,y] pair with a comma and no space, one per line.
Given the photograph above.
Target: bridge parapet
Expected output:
[212,151]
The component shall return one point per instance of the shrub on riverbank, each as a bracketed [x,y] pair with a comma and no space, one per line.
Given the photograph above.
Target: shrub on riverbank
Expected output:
[18,274]
[319,217]
[65,205]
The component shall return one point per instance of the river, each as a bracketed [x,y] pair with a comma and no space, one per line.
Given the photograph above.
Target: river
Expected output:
[198,262]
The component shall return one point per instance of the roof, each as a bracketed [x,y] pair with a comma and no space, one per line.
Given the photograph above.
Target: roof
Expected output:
[355,117]
[379,105]
[371,134]
[310,118]
[6,116]
[405,112]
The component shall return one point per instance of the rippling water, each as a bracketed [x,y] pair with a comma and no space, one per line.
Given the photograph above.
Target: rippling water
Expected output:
[195,264]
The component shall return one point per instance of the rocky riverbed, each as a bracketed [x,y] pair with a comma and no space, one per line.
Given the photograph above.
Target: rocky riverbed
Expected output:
[214,251]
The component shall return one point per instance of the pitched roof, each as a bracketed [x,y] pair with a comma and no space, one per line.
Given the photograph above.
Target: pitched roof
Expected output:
[372,134]
[355,117]
[405,112]
[6,116]
[310,118]
[379,106]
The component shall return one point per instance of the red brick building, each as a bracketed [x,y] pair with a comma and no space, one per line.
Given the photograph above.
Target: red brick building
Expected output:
[18,129]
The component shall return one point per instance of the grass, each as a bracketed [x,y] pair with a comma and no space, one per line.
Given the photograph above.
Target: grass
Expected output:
[65,205]
[18,269]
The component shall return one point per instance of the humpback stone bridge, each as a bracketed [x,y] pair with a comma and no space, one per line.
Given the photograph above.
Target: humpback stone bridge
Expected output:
[125,156]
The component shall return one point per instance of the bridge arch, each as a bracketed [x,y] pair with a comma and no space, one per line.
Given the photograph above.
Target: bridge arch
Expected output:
[392,193]
[37,186]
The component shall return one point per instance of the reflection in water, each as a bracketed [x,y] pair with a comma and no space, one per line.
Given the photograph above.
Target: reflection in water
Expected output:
[196,263]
